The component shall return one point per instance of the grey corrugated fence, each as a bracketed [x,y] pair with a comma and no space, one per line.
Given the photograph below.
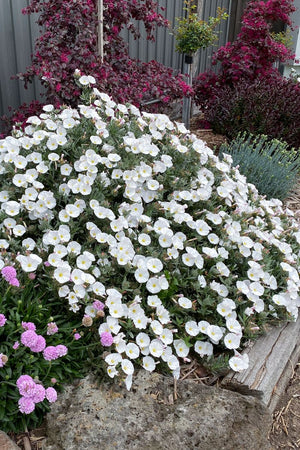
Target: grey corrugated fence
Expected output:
[18,34]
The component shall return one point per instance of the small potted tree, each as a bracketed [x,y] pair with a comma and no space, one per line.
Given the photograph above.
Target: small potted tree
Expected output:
[191,34]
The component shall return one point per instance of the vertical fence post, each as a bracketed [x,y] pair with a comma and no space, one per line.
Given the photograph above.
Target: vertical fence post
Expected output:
[187,101]
[100,29]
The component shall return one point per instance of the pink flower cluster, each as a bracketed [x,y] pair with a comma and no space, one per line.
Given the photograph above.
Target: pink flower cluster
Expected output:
[32,393]
[106,339]
[53,352]
[52,328]
[9,273]
[34,341]
[2,320]
[37,343]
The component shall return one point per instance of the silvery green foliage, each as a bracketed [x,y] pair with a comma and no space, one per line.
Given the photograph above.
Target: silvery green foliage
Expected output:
[268,164]
[129,208]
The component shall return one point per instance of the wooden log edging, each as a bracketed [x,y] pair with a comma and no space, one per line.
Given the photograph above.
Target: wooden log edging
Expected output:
[272,359]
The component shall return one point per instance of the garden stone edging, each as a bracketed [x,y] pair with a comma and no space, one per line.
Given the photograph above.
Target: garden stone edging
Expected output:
[110,417]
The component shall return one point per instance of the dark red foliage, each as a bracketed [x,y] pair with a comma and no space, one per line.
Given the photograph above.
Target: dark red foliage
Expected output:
[19,117]
[267,106]
[69,42]
[253,53]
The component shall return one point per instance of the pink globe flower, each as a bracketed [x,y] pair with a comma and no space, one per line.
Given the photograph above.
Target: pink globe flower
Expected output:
[2,320]
[16,345]
[14,282]
[39,345]
[26,405]
[29,338]
[39,394]
[27,388]
[51,394]
[52,328]
[106,339]
[22,379]
[28,326]
[99,306]
[9,273]
[62,350]
[77,336]
[50,353]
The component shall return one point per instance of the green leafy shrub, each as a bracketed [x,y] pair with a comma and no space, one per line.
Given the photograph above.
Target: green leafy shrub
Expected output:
[126,223]
[268,164]
[192,33]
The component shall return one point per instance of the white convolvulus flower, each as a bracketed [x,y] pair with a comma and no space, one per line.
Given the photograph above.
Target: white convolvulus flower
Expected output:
[153,300]
[154,265]
[141,275]
[215,333]
[157,327]
[234,326]
[203,348]
[140,321]
[83,262]
[62,274]
[113,359]
[29,263]
[222,269]
[239,362]
[256,288]
[181,348]
[192,328]
[19,230]
[165,240]
[148,363]
[225,307]
[232,341]
[202,281]
[163,314]
[188,259]
[221,289]
[172,362]
[12,208]
[144,239]
[132,350]
[142,340]
[153,285]
[166,336]
[185,302]
[29,244]
[203,324]
[211,252]
[156,348]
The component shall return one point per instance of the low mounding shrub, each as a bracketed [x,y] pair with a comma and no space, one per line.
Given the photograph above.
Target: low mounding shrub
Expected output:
[263,106]
[269,165]
[134,227]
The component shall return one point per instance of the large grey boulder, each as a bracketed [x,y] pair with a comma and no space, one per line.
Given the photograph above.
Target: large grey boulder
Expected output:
[6,443]
[108,417]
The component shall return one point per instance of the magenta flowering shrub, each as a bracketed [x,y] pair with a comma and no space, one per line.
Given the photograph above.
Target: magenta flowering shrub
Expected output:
[69,42]
[253,53]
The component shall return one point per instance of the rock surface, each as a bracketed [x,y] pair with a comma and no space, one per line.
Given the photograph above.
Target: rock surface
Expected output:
[6,443]
[108,417]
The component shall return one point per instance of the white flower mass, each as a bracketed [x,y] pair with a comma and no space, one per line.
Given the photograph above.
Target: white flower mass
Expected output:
[131,209]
